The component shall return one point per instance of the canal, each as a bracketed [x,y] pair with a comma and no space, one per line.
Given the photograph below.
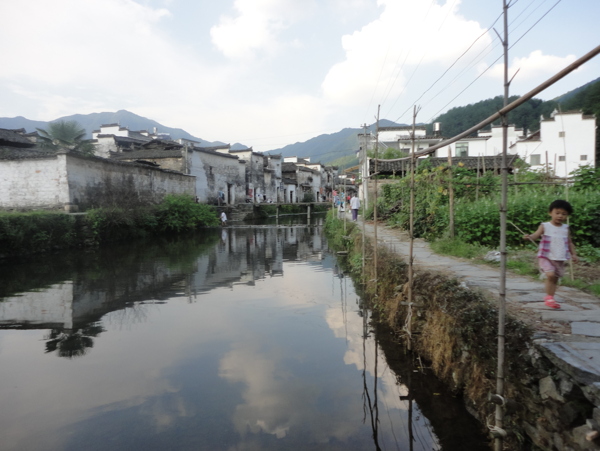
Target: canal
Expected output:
[245,338]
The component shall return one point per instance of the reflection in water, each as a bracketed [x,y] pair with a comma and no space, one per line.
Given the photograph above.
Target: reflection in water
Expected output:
[238,339]
[70,343]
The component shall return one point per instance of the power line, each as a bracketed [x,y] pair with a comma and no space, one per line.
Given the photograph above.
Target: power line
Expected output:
[455,61]
[476,60]
[496,60]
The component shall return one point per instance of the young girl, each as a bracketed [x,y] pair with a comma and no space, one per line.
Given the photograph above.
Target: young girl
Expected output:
[555,248]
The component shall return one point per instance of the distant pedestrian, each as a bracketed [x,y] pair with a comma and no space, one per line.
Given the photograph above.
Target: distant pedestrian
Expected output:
[555,247]
[223,219]
[354,205]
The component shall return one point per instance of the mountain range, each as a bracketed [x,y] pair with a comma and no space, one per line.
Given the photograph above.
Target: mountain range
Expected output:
[340,148]
[91,122]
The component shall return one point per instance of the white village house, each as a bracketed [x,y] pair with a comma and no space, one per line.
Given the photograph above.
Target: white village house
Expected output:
[564,142]
[147,165]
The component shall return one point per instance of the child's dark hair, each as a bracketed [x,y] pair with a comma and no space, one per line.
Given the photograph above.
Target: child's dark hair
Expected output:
[563,204]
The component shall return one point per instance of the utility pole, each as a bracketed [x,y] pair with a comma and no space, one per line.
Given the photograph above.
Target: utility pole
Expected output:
[498,431]
[411,232]
[363,153]
[375,199]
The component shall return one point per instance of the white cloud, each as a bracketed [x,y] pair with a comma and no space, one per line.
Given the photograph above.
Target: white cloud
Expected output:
[532,67]
[257,26]
[407,35]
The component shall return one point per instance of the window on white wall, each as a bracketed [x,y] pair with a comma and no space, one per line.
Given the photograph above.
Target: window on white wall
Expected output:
[462,149]
[561,158]
[535,159]
[583,157]
[561,134]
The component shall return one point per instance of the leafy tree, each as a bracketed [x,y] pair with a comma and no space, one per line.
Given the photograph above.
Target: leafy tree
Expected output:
[66,135]
[390,153]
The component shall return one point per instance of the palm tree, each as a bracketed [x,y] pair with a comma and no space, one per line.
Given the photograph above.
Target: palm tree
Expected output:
[66,134]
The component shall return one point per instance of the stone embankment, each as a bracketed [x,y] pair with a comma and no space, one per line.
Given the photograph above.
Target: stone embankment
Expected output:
[561,404]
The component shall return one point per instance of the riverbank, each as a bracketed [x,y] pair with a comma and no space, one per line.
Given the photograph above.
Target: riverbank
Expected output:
[552,357]
[28,233]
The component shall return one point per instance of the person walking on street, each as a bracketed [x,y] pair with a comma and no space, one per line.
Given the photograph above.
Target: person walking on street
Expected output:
[555,247]
[354,206]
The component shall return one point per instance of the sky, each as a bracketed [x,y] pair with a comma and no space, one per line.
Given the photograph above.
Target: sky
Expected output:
[268,73]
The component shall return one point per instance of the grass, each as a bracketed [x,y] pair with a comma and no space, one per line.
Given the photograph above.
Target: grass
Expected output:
[458,248]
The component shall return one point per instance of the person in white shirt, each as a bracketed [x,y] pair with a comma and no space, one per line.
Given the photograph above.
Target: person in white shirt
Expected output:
[223,219]
[556,247]
[354,206]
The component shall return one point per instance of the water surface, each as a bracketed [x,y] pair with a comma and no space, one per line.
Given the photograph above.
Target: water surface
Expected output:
[246,338]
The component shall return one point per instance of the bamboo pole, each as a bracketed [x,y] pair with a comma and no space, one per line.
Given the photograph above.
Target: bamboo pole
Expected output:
[499,414]
[375,261]
[411,233]
[450,195]
[364,186]
[477,187]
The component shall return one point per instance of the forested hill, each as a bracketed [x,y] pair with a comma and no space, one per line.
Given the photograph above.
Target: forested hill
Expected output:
[527,116]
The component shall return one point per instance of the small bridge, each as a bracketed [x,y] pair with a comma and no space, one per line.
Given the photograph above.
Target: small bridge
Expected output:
[240,211]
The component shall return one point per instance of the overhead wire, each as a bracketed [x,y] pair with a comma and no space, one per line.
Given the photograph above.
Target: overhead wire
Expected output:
[494,62]
[453,64]
[399,72]
[477,58]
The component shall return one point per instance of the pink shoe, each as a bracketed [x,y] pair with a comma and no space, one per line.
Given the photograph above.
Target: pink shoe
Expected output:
[550,302]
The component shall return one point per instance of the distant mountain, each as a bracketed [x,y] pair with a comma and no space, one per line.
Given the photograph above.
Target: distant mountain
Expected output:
[93,121]
[576,91]
[340,147]
[330,147]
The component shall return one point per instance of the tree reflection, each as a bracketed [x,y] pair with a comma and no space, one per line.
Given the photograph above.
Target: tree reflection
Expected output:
[70,344]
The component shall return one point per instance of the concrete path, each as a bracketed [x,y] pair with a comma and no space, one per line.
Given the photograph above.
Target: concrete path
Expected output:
[569,337]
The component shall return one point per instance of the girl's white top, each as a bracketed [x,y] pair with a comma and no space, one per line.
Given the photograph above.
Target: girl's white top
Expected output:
[559,237]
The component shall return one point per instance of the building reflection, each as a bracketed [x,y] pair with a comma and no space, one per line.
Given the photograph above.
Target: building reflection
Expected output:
[71,309]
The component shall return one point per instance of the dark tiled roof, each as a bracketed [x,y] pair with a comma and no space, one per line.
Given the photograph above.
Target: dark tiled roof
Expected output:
[288,181]
[145,154]
[13,139]
[387,167]
[213,148]
[214,152]
[162,144]
[399,128]
[24,153]
[288,167]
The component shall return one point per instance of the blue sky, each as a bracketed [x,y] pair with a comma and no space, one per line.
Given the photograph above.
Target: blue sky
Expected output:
[273,72]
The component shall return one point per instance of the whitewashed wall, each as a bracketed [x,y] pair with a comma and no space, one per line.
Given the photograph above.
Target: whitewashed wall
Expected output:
[33,183]
[216,172]
[577,141]
[63,179]
[85,173]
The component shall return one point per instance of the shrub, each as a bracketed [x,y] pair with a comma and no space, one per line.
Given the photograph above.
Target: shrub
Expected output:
[479,222]
[26,233]
[180,212]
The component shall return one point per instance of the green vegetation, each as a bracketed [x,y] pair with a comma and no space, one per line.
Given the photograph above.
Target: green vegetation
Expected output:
[477,216]
[30,233]
[175,214]
[66,135]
